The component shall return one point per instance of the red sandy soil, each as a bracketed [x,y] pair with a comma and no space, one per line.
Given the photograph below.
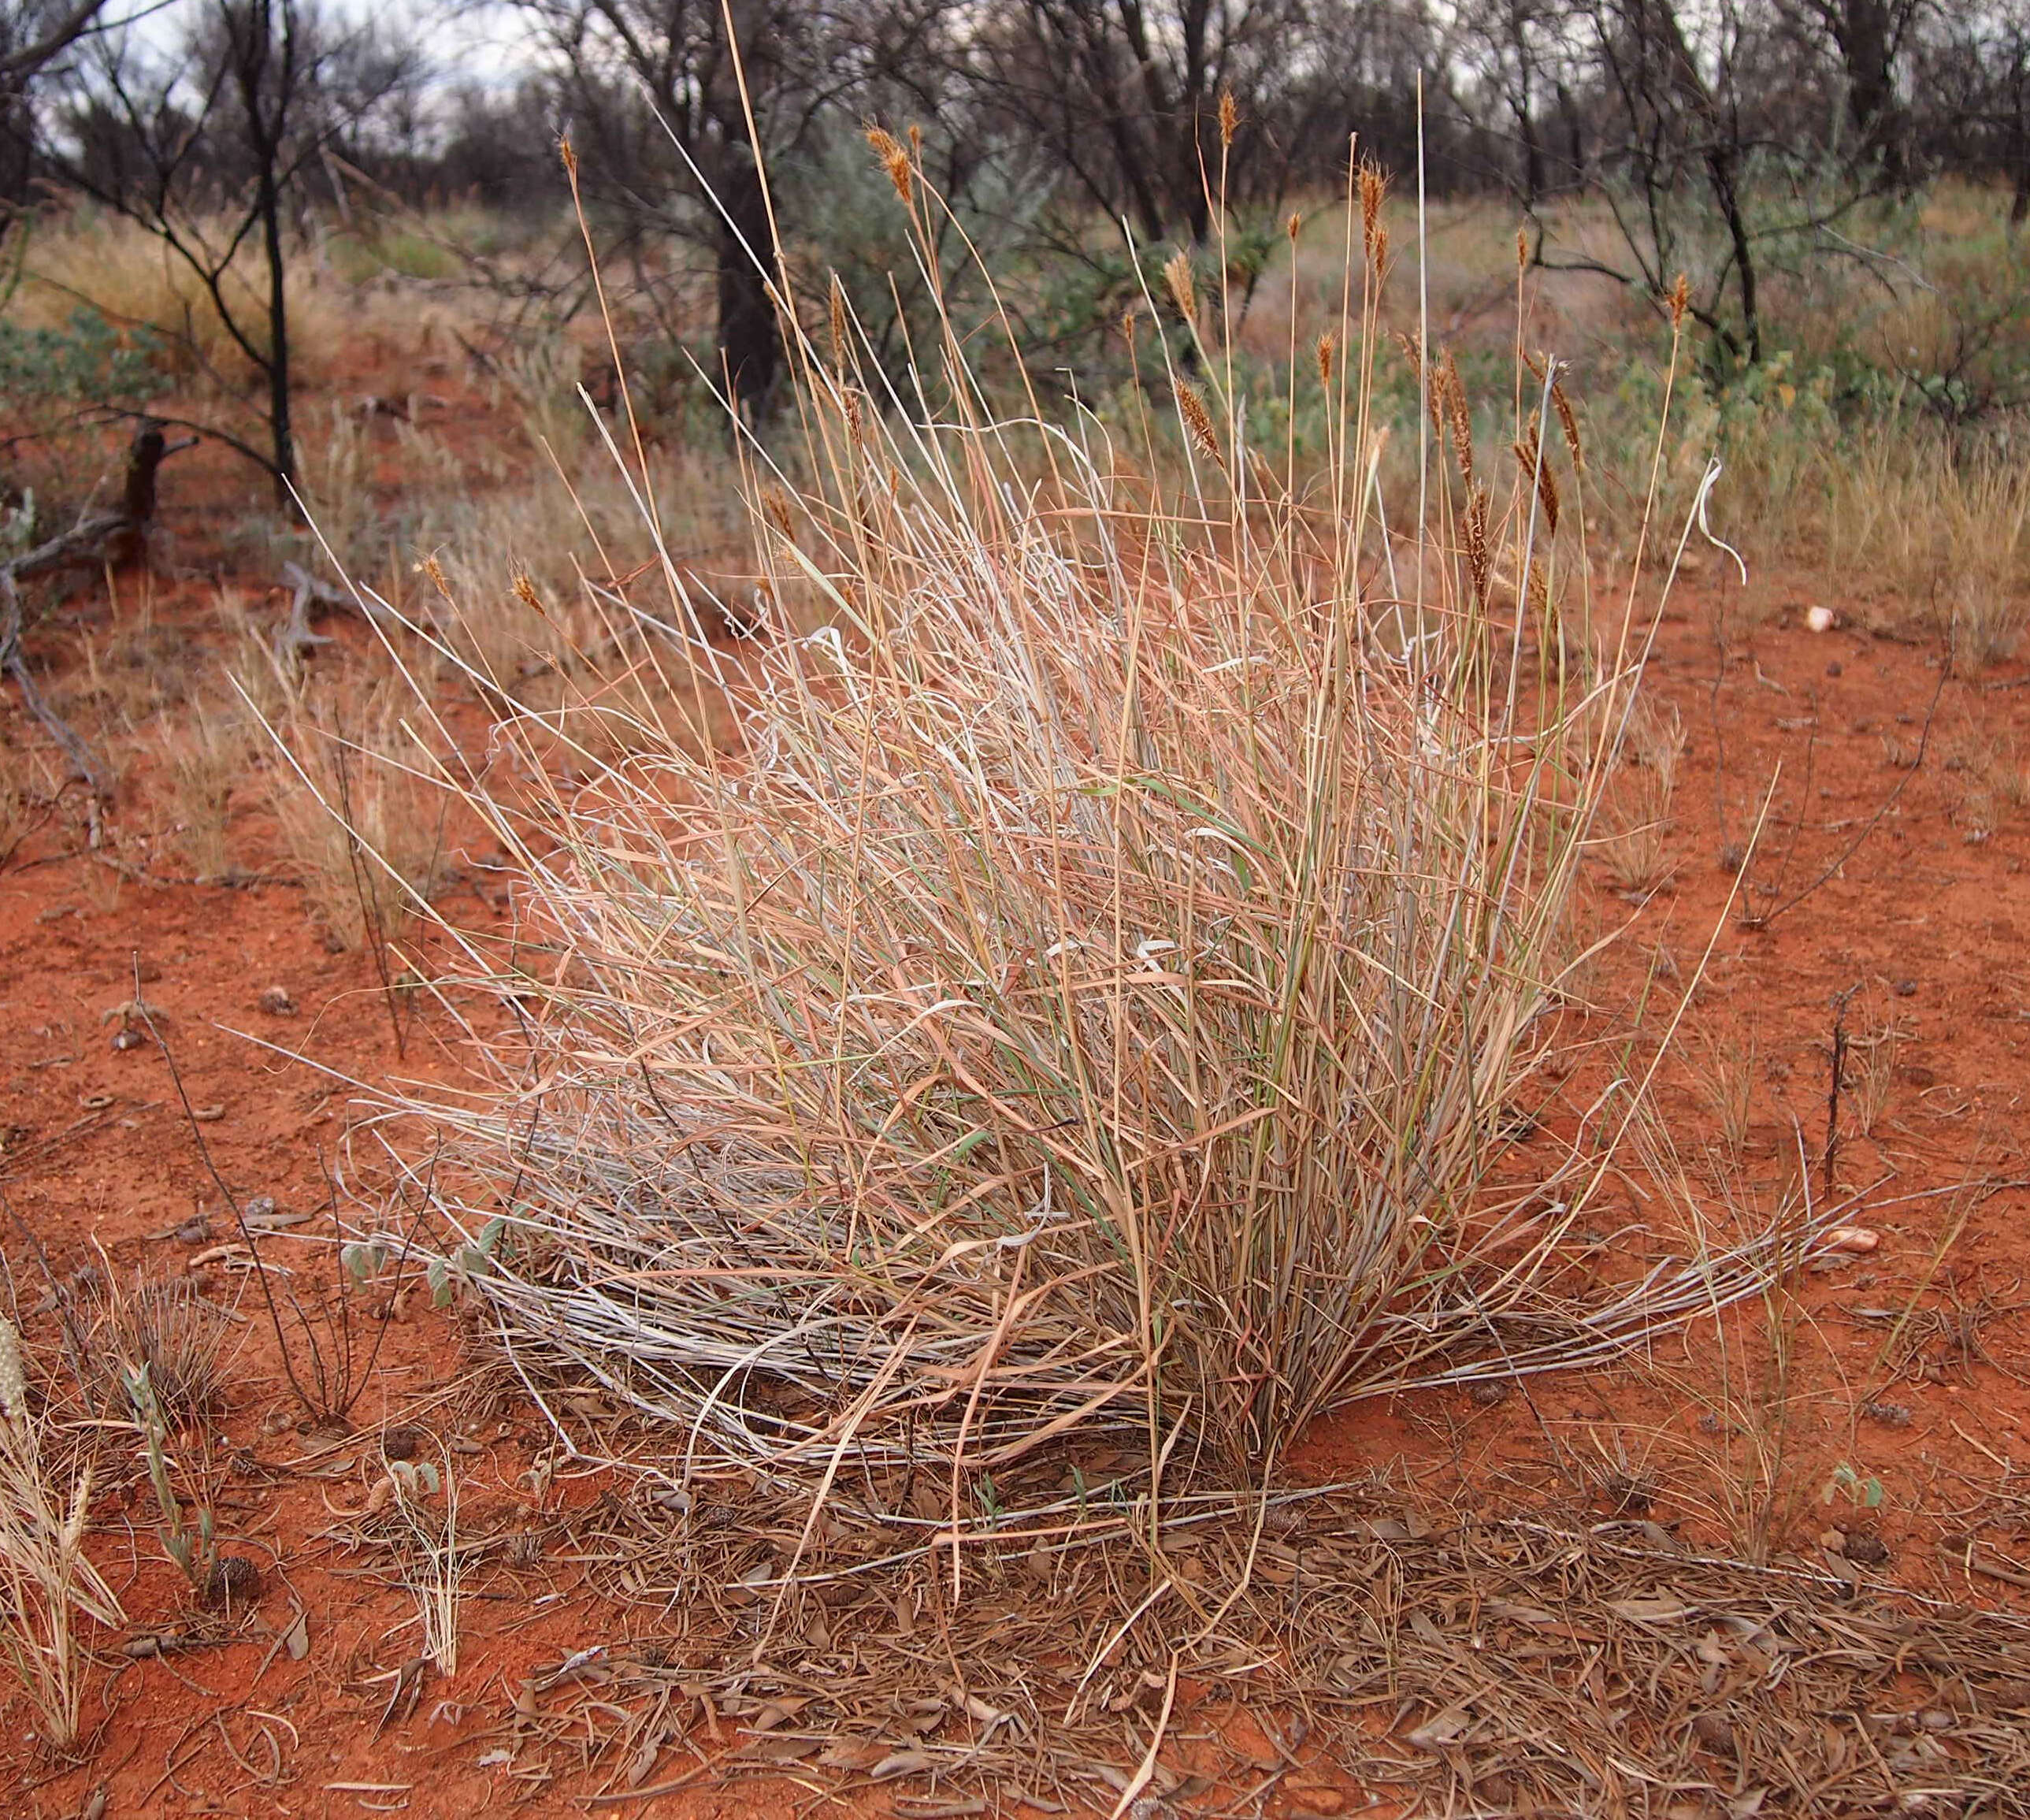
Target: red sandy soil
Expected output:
[96,1153]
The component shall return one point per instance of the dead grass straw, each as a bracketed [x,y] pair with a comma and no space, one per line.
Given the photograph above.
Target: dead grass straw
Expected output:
[1079,1010]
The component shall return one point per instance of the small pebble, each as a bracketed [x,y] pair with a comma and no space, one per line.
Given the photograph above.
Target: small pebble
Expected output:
[1488,1394]
[1888,1415]
[1906,988]
[259,1206]
[401,1443]
[127,1038]
[1834,667]
[275,1000]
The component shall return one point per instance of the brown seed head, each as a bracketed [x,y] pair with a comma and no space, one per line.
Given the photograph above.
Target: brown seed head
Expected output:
[1569,423]
[838,324]
[1410,353]
[1373,187]
[1461,415]
[1294,226]
[1530,455]
[1522,249]
[525,592]
[434,569]
[889,150]
[1184,288]
[776,503]
[568,155]
[1681,300]
[1198,420]
[1229,117]
[1328,345]
[1479,556]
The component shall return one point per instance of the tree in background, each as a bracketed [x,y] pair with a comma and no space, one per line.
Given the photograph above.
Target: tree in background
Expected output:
[211,145]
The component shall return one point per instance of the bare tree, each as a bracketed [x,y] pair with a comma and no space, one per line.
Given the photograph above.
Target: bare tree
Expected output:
[1124,95]
[209,145]
[34,34]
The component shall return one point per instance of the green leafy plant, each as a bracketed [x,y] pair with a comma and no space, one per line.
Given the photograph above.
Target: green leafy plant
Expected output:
[1863,1492]
[187,1540]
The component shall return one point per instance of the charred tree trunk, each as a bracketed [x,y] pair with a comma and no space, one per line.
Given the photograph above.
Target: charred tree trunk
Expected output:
[750,341]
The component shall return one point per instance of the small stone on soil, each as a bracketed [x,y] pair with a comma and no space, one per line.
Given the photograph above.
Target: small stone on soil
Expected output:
[402,1443]
[275,1000]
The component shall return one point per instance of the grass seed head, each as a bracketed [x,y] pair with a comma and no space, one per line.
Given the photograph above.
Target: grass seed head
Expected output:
[1197,418]
[889,149]
[837,312]
[1461,415]
[1529,457]
[1328,345]
[1229,118]
[1183,286]
[1374,236]
[1569,423]
[1479,555]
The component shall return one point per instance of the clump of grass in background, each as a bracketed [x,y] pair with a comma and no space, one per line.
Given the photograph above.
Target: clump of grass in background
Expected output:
[1086,1004]
[360,822]
[49,1582]
[205,756]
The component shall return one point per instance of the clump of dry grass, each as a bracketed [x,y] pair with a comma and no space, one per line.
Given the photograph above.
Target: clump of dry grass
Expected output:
[162,1324]
[49,1581]
[1083,1009]
[1948,528]
[206,754]
[99,261]
[360,821]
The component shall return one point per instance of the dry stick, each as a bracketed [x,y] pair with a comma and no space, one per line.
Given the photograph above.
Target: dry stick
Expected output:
[119,537]
[1836,1082]
[317,1406]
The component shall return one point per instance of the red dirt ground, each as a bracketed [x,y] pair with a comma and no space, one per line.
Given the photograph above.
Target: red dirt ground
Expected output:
[1928,915]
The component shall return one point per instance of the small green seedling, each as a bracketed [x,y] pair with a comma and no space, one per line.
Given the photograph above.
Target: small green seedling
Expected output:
[1863,1494]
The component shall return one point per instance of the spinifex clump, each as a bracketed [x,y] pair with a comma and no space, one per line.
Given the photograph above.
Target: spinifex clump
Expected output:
[1084,1002]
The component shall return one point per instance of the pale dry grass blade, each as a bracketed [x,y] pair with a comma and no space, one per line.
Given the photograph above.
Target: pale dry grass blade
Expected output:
[50,1582]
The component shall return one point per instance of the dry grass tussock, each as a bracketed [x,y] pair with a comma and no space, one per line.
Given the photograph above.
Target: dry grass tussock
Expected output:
[360,821]
[93,260]
[50,1583]
[1071,1031]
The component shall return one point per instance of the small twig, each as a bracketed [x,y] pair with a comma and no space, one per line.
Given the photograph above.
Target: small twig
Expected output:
[1836,1086]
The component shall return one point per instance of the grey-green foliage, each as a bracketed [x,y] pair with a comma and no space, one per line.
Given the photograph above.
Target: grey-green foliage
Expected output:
[87,361]
[857,229]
